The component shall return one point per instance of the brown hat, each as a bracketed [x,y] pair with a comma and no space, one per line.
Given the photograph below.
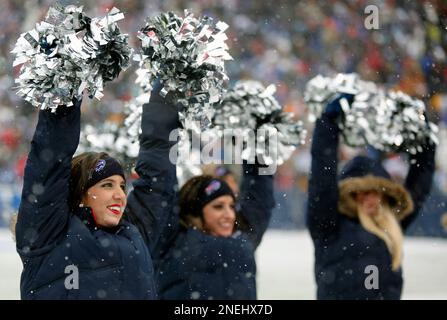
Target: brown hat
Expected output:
[365,174]
[397,197]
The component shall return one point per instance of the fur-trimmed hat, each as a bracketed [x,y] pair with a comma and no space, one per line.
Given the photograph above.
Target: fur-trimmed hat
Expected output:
[365,174]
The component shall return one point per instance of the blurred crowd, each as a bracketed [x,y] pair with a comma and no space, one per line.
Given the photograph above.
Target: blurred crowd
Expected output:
[284,42]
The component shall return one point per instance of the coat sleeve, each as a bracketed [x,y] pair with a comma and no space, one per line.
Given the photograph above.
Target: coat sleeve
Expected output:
[150,204]
[44,211]
[256,201]
[322,212]
[419,180]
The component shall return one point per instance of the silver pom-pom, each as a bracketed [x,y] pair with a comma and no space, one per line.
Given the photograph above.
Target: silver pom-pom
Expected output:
[122,141]
[99,138]
[187,55]
[387,120]
[250,106]
[67,54]
[402,124]
[320,90]
[246,105]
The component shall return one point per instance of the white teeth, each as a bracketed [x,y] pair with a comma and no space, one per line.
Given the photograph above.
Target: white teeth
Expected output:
[115,208]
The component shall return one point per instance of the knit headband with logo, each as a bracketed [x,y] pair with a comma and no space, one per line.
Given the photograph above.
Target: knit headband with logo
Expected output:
[213,190]
[103,169]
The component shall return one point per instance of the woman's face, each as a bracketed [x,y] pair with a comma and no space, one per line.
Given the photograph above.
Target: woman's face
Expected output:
[219,216]
[107,199]
[369,201]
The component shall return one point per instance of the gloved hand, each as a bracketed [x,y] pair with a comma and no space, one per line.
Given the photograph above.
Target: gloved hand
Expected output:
[160,115]
[333,108]
[170,98]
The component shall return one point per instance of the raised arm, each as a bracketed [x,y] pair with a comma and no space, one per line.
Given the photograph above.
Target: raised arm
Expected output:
[44,212]
[256,201]
[151,203]
[419,179]
[322,212]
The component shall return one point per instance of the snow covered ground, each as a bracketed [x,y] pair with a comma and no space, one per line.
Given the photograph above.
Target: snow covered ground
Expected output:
[285,267]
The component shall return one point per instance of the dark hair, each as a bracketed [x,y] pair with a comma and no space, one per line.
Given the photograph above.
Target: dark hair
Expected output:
[81,169]
[189,195]
[189,204]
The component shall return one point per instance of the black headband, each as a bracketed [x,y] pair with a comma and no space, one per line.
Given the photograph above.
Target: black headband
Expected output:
[213,189]
[104,168]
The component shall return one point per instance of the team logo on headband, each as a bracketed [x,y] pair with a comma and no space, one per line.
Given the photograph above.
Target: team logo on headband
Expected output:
[100,165]
[212,187]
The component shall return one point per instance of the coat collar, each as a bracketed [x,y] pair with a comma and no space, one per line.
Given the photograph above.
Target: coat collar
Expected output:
[86,216]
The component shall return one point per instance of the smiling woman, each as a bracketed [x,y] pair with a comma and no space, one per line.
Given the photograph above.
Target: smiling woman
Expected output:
[98,182]
[208,204]
[71,216]
[107,200]
[357,218]
[206,238]
[219,216]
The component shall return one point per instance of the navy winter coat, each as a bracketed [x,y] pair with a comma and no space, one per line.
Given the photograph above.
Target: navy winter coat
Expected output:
[112,263]
[343,248]
[189,263]
[428,222]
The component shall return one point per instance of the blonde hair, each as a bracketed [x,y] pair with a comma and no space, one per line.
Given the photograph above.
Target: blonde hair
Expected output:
[12,226]
[385,226]
[444,221]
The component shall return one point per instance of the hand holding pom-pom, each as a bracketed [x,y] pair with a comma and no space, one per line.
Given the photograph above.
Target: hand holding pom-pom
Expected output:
[387,120]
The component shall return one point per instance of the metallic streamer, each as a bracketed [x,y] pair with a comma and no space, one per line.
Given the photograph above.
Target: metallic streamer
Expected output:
[390,121]
[67,54]
[187,55]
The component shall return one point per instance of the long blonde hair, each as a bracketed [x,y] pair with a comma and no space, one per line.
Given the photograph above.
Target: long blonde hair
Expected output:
[12,225]
[386,227]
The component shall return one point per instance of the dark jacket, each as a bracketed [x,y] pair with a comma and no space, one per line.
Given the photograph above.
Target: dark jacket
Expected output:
[189,263]
[428,223]
[197,265]
[343,248]
[112,264]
